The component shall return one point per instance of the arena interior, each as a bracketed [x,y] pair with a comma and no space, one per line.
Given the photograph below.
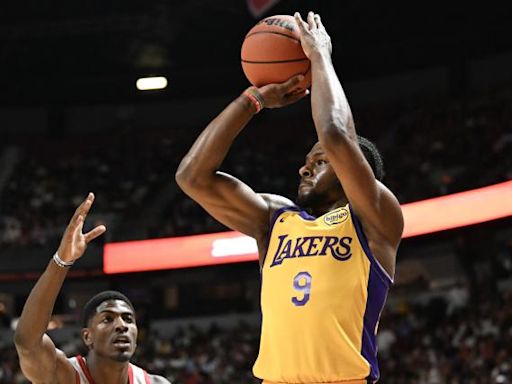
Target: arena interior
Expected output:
[429,83]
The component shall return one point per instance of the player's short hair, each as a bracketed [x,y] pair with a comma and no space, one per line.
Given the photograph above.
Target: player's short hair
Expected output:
[90,308]
[373,156]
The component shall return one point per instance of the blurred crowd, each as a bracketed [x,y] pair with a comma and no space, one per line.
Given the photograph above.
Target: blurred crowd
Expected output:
[430,148]
[460,339]
[455,338]
[55,175]
[442,147]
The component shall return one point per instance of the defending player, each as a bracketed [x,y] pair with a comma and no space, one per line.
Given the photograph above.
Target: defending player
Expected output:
[327,262]
[110,330]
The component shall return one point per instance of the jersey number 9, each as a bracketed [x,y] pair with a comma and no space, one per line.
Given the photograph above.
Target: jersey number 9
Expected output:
[302,283]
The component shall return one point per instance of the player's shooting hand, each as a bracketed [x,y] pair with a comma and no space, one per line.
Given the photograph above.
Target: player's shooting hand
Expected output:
[314,38]
[279,95]
[74,242]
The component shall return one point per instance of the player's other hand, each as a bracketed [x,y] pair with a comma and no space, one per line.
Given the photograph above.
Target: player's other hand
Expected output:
[74,242]
[314,38]
[280,95]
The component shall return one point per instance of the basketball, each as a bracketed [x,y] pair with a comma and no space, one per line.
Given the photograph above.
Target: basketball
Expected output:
[272,53]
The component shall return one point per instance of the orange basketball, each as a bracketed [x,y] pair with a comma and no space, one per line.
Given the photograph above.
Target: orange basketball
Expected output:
[271,52]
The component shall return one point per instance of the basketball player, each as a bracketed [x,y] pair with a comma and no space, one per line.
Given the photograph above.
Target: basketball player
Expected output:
[326,262]
[110,331]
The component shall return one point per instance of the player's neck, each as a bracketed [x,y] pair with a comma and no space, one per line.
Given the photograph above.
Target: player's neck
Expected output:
[107,371]
[320,210]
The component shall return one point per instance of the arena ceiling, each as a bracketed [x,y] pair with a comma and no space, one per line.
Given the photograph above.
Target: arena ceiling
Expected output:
[73,52]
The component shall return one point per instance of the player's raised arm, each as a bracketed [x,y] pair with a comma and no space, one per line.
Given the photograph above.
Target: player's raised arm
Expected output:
[40,361]
[375,205]
[226,198]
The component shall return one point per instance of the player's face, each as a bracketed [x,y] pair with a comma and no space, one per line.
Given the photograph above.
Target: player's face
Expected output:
[113,331]
[319,186]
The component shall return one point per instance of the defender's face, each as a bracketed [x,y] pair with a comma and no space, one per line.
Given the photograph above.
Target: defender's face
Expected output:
[112,331]
[318,182]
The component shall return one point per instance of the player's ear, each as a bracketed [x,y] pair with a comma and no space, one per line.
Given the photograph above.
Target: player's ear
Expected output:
[86,337]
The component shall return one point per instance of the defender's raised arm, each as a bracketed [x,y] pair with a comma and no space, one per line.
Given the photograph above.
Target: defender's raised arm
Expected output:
[40,361]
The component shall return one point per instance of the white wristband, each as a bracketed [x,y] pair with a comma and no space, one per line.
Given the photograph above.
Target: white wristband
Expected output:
[61,263]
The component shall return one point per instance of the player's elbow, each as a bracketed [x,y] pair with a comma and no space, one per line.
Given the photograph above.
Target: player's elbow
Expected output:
[335,136]
[22,342]
[333,130]
[18,338]
[187,178]
[185,173]
[182,179]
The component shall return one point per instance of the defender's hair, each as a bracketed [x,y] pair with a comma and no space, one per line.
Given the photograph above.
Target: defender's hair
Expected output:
[90,308]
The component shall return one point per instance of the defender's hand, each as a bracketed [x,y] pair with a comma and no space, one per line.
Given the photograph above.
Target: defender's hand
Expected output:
[279,95]
[74,242]
[314,38]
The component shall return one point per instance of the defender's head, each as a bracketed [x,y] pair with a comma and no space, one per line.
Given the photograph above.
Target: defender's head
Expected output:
[110,330]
